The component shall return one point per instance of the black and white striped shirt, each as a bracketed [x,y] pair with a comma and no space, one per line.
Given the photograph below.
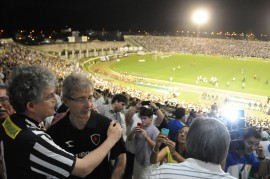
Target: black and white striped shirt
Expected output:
[28,152]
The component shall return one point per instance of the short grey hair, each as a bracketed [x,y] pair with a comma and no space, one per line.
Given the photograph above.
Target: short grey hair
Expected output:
[75,82]
[27,85]
[208,140]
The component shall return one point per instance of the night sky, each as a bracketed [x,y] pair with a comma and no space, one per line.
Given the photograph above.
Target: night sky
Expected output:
[150,15]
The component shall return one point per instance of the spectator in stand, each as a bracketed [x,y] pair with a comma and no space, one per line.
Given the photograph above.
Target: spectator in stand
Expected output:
[31,93]
[145,137]
[16,55]
[208,46]
[200,163]
[174,152]
[158,116]
[99,99]
[130,142]
[265,143]
[132,118]
[241,160]
[84,129]
[5,107]
[114,110]
[176,124]
[5,110]
[192,116]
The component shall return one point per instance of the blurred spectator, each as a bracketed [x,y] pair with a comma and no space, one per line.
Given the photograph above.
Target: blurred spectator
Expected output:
[99,99]
[130,142]
[191,117]
[207,46]
[114,111]
[145,137]
[174,152]
[176,124]
[241,159]
[264,135]
[5,107]
[206,152]
[158,116]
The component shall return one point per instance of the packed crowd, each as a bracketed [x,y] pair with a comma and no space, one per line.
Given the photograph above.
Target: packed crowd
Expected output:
[207,46]
[12,55]
[90,138]
[134,127]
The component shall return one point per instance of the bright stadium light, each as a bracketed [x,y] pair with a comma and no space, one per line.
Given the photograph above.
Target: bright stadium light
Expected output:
[200,17]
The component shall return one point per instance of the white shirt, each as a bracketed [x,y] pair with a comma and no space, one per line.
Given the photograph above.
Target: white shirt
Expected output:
[266,147]
[190,169]
[130,144]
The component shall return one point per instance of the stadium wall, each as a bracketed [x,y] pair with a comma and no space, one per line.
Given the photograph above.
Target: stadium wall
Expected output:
[78,46]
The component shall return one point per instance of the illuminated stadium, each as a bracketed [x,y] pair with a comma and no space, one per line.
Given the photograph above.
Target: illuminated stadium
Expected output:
[135,89]
[190,70]
[188,76]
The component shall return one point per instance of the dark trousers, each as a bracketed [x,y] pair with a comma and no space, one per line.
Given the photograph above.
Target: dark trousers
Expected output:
[129,166]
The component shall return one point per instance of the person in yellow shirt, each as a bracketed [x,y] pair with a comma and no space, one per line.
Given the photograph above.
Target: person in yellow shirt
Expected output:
[174,152]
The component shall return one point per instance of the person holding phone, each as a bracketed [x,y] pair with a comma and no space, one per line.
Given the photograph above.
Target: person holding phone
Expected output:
[132,120]
[174,152]
[144,142]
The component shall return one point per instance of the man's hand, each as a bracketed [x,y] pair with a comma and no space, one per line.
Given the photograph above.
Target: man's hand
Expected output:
[114,131]
[153,105]
[259,151]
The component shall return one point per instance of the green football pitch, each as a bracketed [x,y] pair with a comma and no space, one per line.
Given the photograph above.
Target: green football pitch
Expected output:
[185,69]
[230,72]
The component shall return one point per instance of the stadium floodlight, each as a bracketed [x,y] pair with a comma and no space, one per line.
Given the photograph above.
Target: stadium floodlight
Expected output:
[232,113]
[200,17]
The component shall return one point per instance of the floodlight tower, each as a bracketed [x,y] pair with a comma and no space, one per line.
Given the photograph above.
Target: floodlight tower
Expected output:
[200,17]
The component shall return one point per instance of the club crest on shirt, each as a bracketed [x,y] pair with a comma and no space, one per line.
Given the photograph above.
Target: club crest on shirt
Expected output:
[95,138]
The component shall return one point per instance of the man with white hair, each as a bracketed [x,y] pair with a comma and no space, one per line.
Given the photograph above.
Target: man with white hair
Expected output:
[82,130]
[206,152]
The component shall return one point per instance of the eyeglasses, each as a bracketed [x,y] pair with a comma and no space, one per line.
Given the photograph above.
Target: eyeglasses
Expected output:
[81,100]
[251,144]
[4,99]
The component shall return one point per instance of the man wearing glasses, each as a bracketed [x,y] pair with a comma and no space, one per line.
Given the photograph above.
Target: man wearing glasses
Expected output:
[5,107]
[241,160]
[26,150]
[82,130]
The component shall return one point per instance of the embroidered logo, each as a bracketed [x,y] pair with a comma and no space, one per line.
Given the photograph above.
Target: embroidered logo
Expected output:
[10,128]
[95,138]
[69,143]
